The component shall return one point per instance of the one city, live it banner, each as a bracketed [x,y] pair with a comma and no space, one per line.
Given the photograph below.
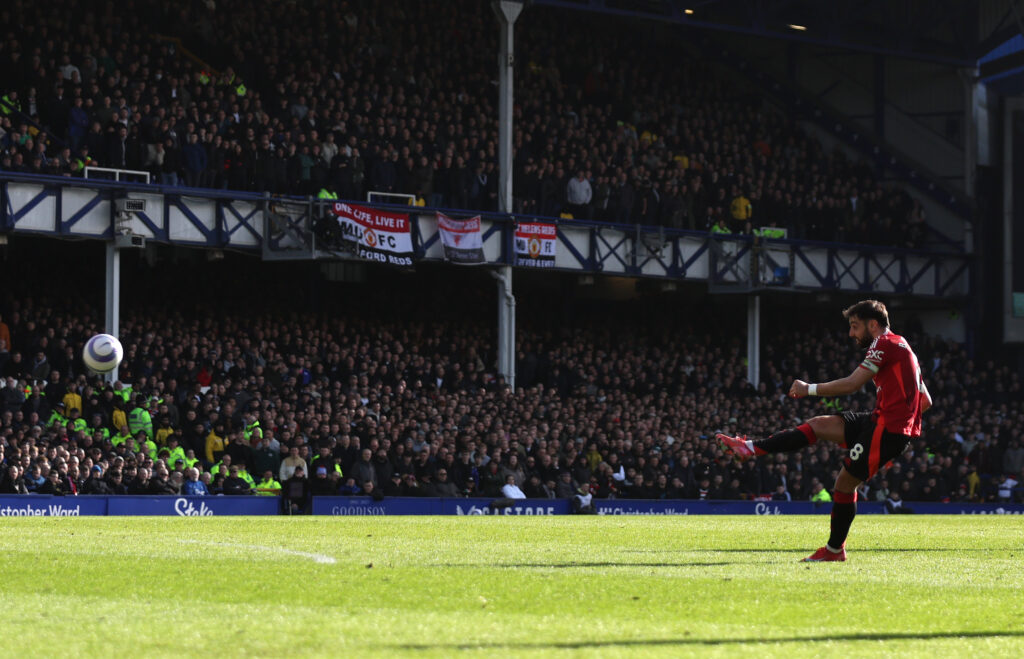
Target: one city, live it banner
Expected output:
[535,244]
[379,235]
[462,241]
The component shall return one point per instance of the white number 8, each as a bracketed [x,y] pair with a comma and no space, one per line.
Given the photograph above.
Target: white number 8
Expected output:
[856,451]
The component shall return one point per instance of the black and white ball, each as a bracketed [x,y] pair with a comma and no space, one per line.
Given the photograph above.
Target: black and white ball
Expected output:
[102,353]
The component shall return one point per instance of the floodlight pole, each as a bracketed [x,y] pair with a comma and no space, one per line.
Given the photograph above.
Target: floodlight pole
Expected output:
[754,340]
[112,310]
[507,12]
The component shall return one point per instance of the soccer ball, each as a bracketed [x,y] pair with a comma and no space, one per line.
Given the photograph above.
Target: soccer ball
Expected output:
[102,353]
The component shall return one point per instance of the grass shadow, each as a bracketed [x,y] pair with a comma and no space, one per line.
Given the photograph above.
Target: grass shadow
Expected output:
[670,642]
[780,550]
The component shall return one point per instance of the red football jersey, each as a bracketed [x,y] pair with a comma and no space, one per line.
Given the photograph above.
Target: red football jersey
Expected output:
[897,376]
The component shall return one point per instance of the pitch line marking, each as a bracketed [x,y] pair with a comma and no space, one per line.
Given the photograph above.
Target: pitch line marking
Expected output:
[316,558]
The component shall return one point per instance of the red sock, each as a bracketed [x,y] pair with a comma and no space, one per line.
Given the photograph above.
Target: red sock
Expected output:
[808,432]
[844,509]
[786,441]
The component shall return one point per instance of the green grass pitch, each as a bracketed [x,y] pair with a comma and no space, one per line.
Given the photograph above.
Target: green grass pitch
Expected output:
[559,586]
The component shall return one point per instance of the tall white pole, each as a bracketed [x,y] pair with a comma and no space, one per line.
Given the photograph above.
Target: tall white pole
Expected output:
[754,340]
[112,312]
[971,118]
[507,12]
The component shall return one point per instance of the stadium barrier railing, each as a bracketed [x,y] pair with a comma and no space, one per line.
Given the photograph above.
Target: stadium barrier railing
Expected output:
[303,228]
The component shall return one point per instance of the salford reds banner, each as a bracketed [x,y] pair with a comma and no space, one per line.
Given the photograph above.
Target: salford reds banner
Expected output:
[535,245]
[379,235]
[461,239]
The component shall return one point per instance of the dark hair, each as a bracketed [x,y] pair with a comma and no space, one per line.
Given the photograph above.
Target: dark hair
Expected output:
[866,310]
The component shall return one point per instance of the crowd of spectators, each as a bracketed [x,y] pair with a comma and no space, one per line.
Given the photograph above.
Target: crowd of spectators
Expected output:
[402,399]
[614,121]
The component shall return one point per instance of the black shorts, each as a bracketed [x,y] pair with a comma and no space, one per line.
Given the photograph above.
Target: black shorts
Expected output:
[870,446]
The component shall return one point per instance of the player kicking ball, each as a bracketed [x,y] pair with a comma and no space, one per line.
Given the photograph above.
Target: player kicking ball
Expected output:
[871,438]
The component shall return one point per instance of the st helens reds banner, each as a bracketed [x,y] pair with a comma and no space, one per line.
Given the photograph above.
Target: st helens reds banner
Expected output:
[535,244]
[461,239]
[379,235]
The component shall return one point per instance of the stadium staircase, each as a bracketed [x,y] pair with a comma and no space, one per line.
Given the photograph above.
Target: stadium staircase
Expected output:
[897,164]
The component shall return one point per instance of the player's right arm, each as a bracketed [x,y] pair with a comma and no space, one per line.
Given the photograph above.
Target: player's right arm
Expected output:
[875,358]
[841,387]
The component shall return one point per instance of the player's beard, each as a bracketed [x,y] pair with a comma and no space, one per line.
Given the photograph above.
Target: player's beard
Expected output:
[864,342]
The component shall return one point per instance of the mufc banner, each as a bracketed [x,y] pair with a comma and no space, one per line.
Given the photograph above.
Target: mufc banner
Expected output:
[535,244]
[379,235]
[461,239]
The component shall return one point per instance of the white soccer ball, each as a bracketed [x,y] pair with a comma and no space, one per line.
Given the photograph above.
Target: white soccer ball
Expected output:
[102,353]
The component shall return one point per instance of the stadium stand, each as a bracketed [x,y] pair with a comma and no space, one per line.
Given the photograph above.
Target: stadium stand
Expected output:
[624,400]
[299,98]
[295,98]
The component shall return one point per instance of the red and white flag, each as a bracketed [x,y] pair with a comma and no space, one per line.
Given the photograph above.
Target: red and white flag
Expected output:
[536,243]
[379,235]
[462,241]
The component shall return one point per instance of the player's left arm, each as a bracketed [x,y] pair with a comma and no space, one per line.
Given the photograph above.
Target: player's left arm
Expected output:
[927,398]
[841,387]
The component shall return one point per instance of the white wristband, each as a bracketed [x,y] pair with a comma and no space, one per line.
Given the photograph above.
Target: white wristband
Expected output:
[812,390]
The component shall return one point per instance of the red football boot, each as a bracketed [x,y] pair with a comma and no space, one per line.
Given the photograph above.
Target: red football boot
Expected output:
[735,446]
[825,554]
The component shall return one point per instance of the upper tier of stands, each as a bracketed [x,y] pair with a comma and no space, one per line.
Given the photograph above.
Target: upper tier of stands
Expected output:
[401,97]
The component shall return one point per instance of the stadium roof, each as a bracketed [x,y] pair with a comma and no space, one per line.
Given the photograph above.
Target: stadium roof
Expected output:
[950,32]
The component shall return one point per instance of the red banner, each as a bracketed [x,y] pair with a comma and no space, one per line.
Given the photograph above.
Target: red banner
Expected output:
[536,244]
[379,235]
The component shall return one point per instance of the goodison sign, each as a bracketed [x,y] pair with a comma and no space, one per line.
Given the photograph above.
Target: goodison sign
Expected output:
[433,506]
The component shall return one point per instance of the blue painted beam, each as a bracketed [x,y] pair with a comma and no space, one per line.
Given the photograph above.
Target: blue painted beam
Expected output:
[814,265]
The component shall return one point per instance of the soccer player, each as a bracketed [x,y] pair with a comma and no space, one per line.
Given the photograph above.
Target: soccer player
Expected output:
[871,438]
